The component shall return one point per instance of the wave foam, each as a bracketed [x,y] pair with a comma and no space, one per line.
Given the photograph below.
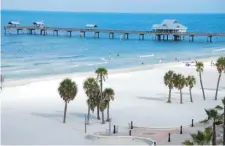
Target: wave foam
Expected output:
[92,64]
[103,59]
[25,70]
[145,56]
[218,50]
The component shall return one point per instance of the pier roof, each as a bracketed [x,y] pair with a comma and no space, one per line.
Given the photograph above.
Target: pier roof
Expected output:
[14,22]
[38,23]
[169,24]
[91,25]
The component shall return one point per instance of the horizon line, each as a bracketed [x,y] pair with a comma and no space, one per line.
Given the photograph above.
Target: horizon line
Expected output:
[113,12]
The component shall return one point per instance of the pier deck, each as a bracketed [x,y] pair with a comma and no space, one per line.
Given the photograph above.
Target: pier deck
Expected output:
[111,32]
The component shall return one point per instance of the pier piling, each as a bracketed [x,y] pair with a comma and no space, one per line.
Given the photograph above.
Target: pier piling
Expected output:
[70,33]
[141,36]
[96,35]
[209,39]
[111,35]
[56,31]
[158,37]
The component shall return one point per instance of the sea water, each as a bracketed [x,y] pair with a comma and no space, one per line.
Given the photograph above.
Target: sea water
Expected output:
[30,56]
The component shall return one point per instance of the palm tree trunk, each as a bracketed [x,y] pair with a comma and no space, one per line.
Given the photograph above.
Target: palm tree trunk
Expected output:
[190,95]
[203,92]
[223,125]
[218,83]
[88,117]
[169,98]
[181,97]
[101,87]
[214,134]
[98,115]
[65,109]
[108,113]
[103,120]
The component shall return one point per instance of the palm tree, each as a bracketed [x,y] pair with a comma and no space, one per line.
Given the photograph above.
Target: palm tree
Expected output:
[216,119]
[108,96]
[179,83]
[68,91]
[199,69]
[220,65]
[201,138]
[168,81]
[190,82]
[102,107]
[91,87]
[102,74]
[222,108]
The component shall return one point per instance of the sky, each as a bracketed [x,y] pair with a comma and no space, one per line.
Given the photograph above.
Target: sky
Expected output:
[121,6]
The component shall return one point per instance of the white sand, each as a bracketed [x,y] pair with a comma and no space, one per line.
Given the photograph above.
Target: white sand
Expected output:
[32,113]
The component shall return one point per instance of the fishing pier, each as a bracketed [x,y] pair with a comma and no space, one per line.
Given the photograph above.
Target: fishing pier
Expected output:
[160,32]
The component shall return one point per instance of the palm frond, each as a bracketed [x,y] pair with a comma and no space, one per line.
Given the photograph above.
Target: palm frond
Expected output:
[187,142]
[218,107]
[206,121]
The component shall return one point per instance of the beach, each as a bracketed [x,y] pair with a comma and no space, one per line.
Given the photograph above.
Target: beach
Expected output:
[32,110]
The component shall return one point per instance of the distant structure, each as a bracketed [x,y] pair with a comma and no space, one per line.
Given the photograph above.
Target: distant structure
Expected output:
[169,29]
[38,24]
[91,26]
[13,24]
[169,26]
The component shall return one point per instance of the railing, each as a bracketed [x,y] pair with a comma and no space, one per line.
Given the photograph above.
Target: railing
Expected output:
[116,31]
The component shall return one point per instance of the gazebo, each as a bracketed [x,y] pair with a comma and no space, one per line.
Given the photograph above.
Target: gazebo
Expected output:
[38,24]
[13,23]
[169,26]
[91,26]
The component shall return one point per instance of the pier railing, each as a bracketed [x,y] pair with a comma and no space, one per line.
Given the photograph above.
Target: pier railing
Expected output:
[111,32]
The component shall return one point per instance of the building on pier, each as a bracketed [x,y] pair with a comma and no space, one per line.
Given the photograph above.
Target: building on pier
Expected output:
[38,24]
[169,26]
[91,26]
[13,24]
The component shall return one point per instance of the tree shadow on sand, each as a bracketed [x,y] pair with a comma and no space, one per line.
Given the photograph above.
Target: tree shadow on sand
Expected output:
[152,98]
[211,89]
[55,116]
[222,88]
[165,98]
[184,93]
[82,115]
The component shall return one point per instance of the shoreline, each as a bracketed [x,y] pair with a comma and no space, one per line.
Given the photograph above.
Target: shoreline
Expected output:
[20,82]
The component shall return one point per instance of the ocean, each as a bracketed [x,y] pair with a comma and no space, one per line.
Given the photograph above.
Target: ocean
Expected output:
[31,56]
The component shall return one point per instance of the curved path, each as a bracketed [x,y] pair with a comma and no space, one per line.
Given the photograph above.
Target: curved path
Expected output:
[101,138]
[147,136]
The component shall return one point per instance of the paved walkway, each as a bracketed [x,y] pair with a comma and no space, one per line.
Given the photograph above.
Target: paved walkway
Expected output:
[160,135]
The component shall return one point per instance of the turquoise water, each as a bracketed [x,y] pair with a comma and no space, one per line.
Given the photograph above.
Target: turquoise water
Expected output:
[26,56]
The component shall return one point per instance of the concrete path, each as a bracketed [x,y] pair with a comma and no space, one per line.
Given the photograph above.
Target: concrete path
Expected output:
[160,135]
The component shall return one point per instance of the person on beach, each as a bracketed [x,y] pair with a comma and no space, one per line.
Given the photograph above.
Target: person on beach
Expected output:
[212,63]
[118,54]
[109,57]
[1,80]
[160,61]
